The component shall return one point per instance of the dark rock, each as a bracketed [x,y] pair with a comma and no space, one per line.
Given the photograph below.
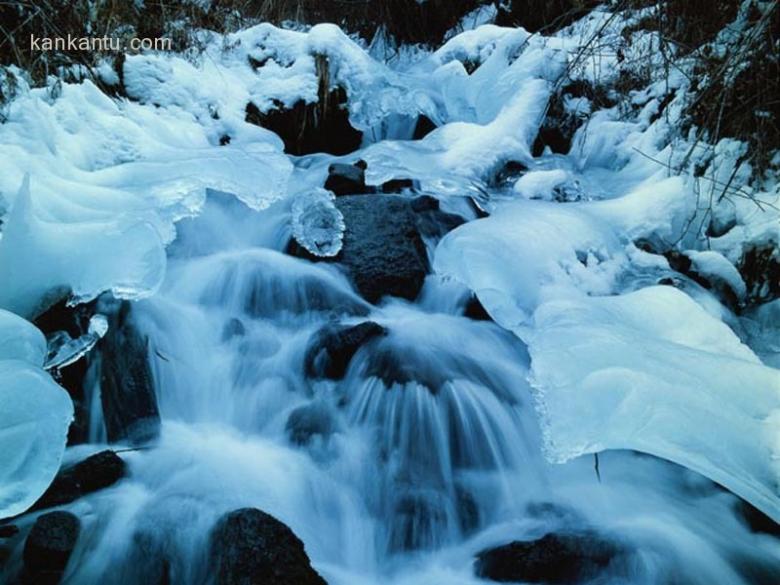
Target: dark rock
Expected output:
[398,185]
[94,473]
[509,172]
[126,386]
[48,547]
[757,520]
[224,140]
[554,558]
[250,547]
[8,530]
[233,328]
[436,224]
[423,127]
[304,128]
[75,322]
[307,422]
[334,348]
[760,269]
[678,261]
[347,180]
[425,203]
[382,250]
[554,138]
[474,310]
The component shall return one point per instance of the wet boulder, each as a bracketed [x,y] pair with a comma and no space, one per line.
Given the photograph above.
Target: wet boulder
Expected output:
[250,547]
[383,250]
[94,473]
[73,321]
[346,179]
[48,548]
[437,224]
[399,185]
[127,391]
[334,347]
[554,558]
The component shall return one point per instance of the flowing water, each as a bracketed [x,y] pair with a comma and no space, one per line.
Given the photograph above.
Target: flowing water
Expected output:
[386,480]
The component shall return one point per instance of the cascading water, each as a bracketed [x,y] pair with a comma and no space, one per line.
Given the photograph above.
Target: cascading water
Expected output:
[427,452]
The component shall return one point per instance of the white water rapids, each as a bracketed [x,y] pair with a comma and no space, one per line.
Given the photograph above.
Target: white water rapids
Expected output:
[404,484]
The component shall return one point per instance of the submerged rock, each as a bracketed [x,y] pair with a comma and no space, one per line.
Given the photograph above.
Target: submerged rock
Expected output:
[250,547]
[94,473]
[309,421]
[383,250]
[553,558]
[334,347]
[48,548]
[127,390]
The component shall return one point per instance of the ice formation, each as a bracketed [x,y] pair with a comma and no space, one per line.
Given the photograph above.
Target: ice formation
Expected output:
[317,223]
[35,414]
[63,350]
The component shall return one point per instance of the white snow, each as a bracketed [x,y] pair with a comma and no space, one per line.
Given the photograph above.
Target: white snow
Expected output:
[540,184]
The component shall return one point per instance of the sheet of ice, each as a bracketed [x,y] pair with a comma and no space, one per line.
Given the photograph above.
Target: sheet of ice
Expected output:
[20,339]
[652,371]
[108,179]
[34,416]
[40,259]
[63,350]
[317,224]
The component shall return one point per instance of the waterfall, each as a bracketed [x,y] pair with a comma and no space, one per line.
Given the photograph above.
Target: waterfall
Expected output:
[426,452]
